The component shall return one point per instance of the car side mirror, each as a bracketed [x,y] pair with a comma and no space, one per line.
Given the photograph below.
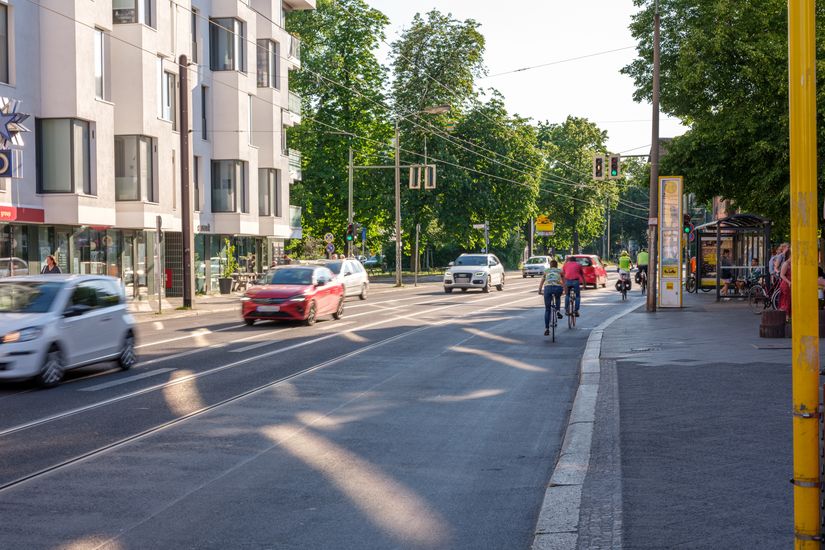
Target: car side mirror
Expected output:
[76,310]
[451,264]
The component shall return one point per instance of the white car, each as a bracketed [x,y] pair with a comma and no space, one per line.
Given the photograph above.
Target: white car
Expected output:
[474,271]
[535,266]
[52,323]
[351,273]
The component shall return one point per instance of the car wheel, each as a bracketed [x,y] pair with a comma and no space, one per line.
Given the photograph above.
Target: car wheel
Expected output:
[363,295]
[448,290]
[311,314]
[54,366]
[486,285]
[524,275]
[339,312]
[249,322]
[500,285]
[127,357]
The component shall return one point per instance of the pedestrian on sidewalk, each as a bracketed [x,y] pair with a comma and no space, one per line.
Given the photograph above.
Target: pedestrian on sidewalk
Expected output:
[50,267]
[775,263]
[785,286]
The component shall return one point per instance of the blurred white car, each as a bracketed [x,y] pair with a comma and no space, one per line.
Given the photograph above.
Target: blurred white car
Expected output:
[535,266]
[351,273]
[52,323]
[474,271]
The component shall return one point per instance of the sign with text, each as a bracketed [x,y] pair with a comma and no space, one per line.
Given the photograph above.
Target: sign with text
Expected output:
[670,241]
[544,225]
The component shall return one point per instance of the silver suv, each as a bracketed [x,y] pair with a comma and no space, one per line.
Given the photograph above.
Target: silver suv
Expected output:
[52,323]
[474,271]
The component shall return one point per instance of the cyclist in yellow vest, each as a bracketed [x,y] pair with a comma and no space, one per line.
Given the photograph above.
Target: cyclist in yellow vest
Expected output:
[624,270]
[642,259]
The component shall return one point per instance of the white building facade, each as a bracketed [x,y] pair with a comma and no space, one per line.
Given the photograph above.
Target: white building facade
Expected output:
[100,80]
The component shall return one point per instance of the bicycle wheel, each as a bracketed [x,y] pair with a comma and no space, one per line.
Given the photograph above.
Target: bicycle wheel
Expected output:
[757,299]
[624,293]
[774,304]
[690,284]
[553,321]
[569,311]
[644,285]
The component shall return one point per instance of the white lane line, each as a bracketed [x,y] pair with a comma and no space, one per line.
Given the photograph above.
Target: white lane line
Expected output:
[188,378]
[254,346]
[194,334]
[126,380]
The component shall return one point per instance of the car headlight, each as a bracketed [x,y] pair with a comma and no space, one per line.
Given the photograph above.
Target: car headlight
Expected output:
[298,298]
[245,298]
[479,274]
[23,335]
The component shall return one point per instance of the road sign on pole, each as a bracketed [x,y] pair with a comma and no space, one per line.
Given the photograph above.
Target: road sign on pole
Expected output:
[330,248]
[329,237]
[479,225]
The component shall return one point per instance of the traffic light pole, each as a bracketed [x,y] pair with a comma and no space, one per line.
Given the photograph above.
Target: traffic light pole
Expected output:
[653,202]
[398,248]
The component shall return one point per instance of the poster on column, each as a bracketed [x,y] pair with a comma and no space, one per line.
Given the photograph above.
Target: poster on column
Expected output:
[670,241]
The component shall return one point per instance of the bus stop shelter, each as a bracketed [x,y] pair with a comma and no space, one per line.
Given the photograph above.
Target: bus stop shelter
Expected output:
[725,249]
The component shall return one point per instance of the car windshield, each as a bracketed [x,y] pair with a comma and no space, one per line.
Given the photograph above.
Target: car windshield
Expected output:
[583,261]
[471,260]
[535,261]
[293,276]
[28,297]
[335,267]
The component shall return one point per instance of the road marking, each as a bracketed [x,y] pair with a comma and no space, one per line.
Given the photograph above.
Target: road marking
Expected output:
[253,346]
[128,379]
[185,379]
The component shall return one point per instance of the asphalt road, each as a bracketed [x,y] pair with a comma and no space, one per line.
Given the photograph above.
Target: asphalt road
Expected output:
[419,420]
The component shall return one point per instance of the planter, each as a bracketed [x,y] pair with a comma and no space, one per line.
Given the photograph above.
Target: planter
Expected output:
[225,284]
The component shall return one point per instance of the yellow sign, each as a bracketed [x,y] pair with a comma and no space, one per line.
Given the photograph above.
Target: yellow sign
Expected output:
[543,223]
[670,271]
[669,286]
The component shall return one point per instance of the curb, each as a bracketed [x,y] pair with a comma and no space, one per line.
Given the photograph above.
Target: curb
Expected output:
[558,524]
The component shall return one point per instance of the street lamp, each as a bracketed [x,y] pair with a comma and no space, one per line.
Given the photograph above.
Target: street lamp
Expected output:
[434,110]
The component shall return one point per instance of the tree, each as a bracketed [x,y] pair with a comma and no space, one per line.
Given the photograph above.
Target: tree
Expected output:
[341,87]
[574,201]
[728,82]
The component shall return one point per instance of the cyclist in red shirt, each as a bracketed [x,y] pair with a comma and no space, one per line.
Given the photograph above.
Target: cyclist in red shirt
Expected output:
[573,277]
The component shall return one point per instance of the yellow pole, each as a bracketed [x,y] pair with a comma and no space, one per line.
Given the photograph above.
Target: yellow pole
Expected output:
[804,210]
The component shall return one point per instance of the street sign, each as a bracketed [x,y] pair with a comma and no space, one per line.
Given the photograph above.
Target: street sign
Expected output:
[330,248]
[544,233]
[479,226]
[329,237]
[543,224]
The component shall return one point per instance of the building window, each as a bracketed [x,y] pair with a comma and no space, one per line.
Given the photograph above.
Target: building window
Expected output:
[194,35]
[168,93]
[101,56]
[204,106]
[284,148]
[4,44]
[132,11]
[269,64]
[196,180]
[134,169]
[249,118]
[227,178]
[63,154]
[277,211]
[264,192]
[227,44]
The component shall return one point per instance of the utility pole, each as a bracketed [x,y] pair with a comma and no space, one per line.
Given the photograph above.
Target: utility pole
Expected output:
[417,230]
[397,207]
[486,237]
[349,201]
[185,191]
[805,343]
[653,217]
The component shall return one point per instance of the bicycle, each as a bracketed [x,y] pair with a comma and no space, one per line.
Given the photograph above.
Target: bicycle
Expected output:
[622,284]
[570,307]
[553,320]
[643,282]
[761,300]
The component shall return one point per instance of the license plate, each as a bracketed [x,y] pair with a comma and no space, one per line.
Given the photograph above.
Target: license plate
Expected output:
[462,276]
[268,309]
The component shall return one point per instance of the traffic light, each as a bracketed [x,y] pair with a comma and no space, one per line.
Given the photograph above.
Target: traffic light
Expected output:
[350,232]
[687,226]
[598,167]
[615,166]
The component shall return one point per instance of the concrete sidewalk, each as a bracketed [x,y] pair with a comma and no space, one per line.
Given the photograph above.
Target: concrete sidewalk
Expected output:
[692,437]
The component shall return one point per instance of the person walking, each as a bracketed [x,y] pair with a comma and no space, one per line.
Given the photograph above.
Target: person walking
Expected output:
[51,266]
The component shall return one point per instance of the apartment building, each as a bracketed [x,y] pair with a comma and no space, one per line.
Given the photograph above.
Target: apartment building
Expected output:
[101,82]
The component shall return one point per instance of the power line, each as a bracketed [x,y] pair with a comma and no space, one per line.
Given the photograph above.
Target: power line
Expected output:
[558,62]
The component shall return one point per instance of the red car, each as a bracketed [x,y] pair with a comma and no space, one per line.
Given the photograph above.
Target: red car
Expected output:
[594,272]
[294,293]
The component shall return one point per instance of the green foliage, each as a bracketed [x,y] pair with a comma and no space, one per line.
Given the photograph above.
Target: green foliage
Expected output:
[724,72]
[348,97]
[231,264]
[570,196]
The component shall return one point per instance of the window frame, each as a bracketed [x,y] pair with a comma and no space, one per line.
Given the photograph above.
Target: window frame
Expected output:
[168,99]
[204,118]
[5,45]
[236,185]
[235,40]
[195,15]
[265,202]
[146,190]
[268,63]
[141,15]
[72,156]
[100,56]
[196,176]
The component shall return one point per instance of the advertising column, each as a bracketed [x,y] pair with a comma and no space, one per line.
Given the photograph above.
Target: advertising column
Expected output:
[670,241]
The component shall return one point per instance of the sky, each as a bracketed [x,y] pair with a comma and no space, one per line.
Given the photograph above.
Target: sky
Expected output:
[533,32]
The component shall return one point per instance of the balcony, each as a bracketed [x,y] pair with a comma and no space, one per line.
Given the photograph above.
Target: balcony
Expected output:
[294,48]
[295,165]
[294,104]
[296,231]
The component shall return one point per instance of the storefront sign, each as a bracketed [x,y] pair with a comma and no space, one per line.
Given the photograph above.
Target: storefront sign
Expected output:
[20,214]
[670,241]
